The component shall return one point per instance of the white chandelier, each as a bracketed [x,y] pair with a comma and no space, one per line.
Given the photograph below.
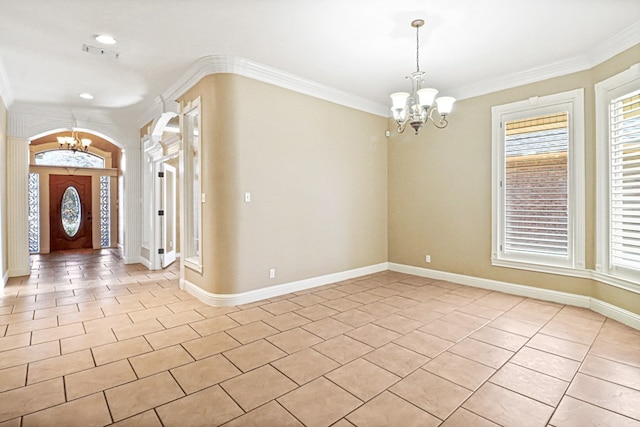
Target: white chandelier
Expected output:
[73,142]
[418,107]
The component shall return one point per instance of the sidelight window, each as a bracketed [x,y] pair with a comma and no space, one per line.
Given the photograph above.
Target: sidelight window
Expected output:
[105,211]
[33,213]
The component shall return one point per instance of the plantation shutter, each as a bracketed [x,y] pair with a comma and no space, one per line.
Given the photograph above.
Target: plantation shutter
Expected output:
[536,185]
[624,127]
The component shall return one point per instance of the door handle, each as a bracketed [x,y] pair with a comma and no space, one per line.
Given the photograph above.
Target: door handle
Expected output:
[88,216]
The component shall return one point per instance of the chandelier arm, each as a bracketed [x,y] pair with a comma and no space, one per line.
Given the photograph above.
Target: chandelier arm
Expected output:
[402,125]
[441,123]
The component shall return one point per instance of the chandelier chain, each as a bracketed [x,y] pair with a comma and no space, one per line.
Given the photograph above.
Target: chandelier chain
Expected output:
[417,48]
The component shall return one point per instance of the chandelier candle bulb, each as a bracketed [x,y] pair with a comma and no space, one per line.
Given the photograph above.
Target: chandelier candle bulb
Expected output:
[445,104]
[399,100]
[427,96]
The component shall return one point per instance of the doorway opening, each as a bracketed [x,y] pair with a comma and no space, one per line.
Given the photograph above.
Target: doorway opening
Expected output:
[161,193]
[73,196]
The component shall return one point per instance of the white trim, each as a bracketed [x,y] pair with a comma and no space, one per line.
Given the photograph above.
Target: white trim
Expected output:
[277,290]
[521,78]
[494,285]
[133,260]
[190,219]
[215,64]
[5,279]
[145,262]
[17,272]
[612,46]
[615,313]
[604,308]
[616,281]
[550,269]
[17,169]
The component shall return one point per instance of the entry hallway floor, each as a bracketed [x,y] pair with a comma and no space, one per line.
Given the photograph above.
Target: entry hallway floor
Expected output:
[89,341]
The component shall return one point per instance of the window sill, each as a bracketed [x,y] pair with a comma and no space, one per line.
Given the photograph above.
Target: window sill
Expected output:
[617,281]
[193,264]
[542,268]
[606,278]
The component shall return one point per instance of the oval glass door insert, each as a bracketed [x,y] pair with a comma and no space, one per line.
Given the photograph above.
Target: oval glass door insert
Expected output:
[71,211]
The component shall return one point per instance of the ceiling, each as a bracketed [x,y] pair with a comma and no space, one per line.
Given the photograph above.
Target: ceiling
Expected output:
[362,47]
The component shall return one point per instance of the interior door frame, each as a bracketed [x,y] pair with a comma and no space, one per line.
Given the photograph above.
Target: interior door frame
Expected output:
[158,257]
[168,227]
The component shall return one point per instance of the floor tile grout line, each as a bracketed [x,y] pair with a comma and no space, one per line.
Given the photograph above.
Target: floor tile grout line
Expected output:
[528,340]
[554,408]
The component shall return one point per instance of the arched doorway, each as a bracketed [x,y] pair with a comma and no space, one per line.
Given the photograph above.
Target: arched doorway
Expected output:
[73,194]
[161,210]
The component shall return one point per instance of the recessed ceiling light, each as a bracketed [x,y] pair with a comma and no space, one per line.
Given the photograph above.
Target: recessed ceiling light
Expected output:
[86,96]
[105,39]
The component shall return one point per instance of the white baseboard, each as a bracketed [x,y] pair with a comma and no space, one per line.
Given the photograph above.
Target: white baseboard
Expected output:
[616,313]
[5,279]
[18,272]
[604,308]
[277,290]
[133,260]
[145,262]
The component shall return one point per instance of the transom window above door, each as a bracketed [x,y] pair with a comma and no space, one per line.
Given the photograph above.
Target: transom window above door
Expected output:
[66,158]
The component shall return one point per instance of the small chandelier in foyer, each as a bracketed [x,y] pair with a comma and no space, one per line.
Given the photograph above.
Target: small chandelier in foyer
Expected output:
[73,142]
[418,107]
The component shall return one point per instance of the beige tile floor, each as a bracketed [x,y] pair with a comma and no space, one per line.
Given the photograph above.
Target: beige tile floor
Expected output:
[89,341]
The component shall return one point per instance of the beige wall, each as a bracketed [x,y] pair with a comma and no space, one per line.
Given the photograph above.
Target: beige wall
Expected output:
[440,190]
[4,261]
[317,174]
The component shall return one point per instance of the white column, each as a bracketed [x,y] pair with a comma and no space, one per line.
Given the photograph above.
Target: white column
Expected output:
[132,206]
[17,207]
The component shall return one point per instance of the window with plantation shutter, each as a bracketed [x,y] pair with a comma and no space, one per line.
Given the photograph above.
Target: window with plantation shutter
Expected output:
[618,179]
[535,185]
[624,128]
[538,183]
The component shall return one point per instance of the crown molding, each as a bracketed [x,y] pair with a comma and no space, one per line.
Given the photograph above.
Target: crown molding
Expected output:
[215,64]
[612,46]
[5,89]
[522,78]
[609,48]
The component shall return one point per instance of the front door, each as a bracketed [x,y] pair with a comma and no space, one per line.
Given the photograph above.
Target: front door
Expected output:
[70,212]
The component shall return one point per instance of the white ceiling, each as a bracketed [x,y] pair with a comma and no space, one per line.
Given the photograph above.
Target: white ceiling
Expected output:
[363,47]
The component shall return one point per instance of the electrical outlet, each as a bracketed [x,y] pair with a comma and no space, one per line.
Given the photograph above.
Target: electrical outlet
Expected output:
[272,273]
[427,258]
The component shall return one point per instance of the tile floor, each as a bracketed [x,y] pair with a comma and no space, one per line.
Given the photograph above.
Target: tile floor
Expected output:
[89,341]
